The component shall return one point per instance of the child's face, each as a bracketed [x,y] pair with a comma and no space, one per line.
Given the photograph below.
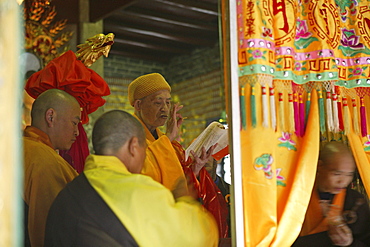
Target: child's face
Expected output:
[336,174]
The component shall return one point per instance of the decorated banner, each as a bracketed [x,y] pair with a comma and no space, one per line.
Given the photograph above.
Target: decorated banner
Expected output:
[304,79]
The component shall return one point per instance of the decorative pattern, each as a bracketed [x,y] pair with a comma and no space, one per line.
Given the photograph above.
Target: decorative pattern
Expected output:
[315,55]
[43,36]
[279,178]
[314,41]
[264,163]
[287,142]
[94,48]
[367,144]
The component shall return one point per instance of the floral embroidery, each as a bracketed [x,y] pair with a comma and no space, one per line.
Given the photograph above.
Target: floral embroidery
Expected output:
[279,178]
[266,32]
[302,30]
[264,163]
[344,5]
[257,54]
[357,71]
[299,66]
[303,37]
[367,144]
[350,39]
[350,43]
[279,63]
[287,142]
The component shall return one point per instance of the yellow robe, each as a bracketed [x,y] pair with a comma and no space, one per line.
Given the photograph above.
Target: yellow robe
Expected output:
[45,175]
[161,161]
[147,209]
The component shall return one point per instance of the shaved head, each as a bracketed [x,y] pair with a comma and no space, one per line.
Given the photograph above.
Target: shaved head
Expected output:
[53,98]
[330,149]
[336,167]
[113,129]
[57,113]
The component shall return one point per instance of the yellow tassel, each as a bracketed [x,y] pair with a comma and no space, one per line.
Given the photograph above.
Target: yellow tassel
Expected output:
[272,109]
[329,112]
[291,115]
[335,112]
[356,127]
[265,122]
[281,112]
[346,122]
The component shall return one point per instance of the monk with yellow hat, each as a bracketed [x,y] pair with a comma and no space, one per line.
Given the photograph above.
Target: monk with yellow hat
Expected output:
[150,95]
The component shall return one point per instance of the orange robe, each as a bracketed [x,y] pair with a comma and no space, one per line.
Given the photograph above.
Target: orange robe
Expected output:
[315,221]
[161,162]
[45,174]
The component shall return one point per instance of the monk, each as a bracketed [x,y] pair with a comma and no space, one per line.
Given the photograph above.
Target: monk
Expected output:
[112,204]
[336,214]
[150,95]
[54,118]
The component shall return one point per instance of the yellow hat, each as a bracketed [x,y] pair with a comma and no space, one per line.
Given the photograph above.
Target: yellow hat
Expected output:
[146,85]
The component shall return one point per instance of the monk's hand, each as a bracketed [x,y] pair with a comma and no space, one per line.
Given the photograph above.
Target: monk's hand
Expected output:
[184,187]
[340,235]
[199,162]
[174,122]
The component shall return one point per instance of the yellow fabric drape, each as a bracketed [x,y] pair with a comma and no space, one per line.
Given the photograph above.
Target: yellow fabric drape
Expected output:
[277,170]
[362,158]
[315,55]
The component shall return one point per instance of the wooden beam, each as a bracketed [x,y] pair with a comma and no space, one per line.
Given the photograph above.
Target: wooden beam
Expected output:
[100,9]
[160,19]
[142,56]
[197,6]
[191,40]
[151,46]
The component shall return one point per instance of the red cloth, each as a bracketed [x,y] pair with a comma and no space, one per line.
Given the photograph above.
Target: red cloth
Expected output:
[208,192]
[78,152]
[72,76]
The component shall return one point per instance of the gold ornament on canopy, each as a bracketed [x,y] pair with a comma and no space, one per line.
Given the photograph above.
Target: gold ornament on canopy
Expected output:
[42,36]
[94,48]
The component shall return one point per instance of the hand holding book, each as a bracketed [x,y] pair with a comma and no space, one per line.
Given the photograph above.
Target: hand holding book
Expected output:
[215,133]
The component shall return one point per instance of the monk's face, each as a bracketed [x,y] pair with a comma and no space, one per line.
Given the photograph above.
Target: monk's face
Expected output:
[336,174]
[66,127]
[154,109]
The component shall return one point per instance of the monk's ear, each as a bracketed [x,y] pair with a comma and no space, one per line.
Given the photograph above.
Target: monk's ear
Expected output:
[137,105]
[133,146]
[50,115]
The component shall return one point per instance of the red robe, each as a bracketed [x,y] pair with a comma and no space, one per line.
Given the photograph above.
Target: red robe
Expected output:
[208,192]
